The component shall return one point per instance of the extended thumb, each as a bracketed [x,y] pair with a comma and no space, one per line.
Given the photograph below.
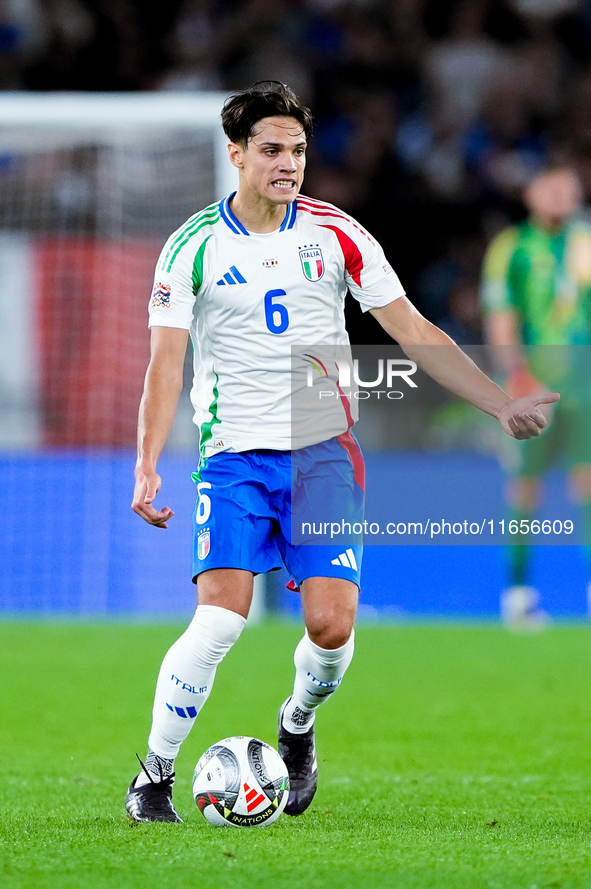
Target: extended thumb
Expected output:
[547,398]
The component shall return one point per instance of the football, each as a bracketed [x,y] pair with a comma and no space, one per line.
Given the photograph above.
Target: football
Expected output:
[241,782]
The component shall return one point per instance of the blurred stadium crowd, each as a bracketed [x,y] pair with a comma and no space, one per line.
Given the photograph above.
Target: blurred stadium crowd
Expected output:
[430,114]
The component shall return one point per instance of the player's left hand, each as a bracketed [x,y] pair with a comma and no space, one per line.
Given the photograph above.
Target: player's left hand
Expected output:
[147,486]
[521,418]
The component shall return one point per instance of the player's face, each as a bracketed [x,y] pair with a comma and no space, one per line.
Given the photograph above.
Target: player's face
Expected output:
[554,197]
[272,165]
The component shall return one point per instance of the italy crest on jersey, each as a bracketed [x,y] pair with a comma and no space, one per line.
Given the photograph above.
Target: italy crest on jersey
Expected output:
[203,545]
[312,262]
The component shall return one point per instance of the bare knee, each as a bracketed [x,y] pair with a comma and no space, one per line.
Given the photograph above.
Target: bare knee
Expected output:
[228,588]
[330,636]
[330,605]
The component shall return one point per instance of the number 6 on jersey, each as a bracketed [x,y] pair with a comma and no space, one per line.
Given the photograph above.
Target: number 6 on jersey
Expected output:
[273,309]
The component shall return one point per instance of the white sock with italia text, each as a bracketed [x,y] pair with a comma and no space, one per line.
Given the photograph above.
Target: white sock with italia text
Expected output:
[319,672]
[186,677]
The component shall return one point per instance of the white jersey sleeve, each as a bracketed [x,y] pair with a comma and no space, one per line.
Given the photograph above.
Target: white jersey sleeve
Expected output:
[370,278]
[179,273]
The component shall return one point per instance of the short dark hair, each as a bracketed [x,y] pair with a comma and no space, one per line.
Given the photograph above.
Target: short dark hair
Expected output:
[268,98]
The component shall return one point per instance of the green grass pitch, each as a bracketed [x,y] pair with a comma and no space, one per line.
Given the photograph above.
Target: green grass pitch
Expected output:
[453,757]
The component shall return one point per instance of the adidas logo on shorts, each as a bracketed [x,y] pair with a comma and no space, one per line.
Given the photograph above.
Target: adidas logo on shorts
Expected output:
[347,559]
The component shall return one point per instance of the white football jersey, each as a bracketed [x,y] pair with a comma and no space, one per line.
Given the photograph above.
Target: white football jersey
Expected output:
[248,299]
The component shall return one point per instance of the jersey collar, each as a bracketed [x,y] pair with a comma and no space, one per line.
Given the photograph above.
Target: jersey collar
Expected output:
[237,227]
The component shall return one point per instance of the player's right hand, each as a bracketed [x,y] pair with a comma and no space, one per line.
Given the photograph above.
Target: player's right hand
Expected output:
[147,486]
[521,418]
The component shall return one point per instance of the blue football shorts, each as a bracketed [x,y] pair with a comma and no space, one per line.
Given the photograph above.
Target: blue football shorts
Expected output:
[245,510]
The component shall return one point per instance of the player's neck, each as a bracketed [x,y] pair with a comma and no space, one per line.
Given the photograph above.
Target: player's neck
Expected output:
[257,214]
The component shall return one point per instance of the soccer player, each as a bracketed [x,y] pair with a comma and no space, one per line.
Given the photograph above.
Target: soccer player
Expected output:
[248,278]
[537,293]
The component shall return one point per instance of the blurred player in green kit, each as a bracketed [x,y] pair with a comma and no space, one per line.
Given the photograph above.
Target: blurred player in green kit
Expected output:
[537,293]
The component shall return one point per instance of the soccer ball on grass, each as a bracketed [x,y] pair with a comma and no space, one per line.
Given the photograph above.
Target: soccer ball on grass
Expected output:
[241,782]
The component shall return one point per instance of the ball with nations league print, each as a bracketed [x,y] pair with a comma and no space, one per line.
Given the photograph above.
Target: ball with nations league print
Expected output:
[241,782]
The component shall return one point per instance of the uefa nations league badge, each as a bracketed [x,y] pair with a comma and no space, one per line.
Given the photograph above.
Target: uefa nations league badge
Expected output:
[312,262]
[203,544]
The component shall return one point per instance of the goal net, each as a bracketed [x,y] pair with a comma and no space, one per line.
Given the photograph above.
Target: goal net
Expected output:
[91,185]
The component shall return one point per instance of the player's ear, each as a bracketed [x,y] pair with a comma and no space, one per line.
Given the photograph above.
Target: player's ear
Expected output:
[236,154]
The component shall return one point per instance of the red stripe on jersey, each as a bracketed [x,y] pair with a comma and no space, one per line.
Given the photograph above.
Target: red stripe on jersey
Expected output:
[351,252]
[321,205]
[347,406]
[325,213]
[318,208]
[347,442]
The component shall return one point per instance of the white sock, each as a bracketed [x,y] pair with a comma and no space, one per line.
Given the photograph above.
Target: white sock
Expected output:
[187,674]
[319,672]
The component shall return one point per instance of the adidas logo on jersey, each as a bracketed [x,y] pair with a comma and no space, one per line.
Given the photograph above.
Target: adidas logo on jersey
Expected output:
[347,559]
[232,277]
